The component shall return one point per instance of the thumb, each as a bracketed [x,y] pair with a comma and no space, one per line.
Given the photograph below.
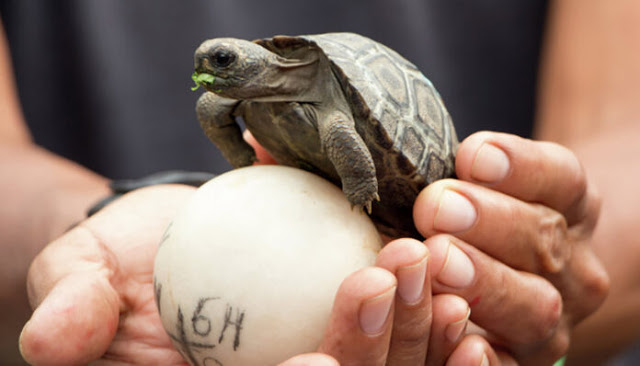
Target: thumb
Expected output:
[78,311]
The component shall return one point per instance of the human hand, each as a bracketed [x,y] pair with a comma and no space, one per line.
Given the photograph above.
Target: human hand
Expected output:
[512,237]
[92,288]
[386,315]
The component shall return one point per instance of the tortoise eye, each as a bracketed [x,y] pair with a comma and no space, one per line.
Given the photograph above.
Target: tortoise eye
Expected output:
[223,58]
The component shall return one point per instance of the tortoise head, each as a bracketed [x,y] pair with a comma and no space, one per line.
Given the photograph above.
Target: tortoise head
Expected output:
[246,71]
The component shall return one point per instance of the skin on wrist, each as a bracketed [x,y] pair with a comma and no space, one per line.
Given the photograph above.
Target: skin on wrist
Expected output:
[67,191]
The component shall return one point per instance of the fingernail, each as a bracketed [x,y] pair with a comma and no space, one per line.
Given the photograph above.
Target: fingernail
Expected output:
[491,164]
[374,312]
[458,270]
[455,213]
[411,281]
[485,360]
[454,331]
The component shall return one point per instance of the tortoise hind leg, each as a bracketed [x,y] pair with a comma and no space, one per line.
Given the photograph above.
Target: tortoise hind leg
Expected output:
[216,119]
[351,158]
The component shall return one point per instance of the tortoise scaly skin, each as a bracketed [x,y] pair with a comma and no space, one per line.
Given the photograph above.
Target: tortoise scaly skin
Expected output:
[340,105]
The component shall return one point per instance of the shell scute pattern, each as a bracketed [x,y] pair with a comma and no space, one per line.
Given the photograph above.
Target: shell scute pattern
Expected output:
[399,98]
[402,117]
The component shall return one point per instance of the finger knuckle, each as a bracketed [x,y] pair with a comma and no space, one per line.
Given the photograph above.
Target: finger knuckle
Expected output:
[596,284]
[548,352]
[407,348]
[559,345]
[550,314]
[552,249]
[411,337]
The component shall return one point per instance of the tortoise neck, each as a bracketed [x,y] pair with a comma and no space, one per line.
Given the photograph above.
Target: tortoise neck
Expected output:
[303,79]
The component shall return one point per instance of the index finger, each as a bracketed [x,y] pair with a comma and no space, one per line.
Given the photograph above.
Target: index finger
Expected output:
[533,171]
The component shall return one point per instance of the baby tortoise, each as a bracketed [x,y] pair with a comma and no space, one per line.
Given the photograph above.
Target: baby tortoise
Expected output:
[340,105]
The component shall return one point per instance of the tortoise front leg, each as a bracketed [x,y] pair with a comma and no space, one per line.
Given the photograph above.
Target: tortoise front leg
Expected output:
[351,158]
[216,119]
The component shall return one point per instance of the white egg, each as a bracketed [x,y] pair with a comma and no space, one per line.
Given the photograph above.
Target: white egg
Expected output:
[246,274]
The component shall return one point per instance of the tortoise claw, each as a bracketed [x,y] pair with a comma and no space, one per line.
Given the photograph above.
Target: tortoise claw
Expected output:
[368,207]
[362,195]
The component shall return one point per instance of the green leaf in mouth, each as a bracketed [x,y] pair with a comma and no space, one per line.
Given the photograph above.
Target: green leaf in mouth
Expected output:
[201,79]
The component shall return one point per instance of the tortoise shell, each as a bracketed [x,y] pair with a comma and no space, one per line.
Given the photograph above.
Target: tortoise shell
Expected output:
[398,113]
